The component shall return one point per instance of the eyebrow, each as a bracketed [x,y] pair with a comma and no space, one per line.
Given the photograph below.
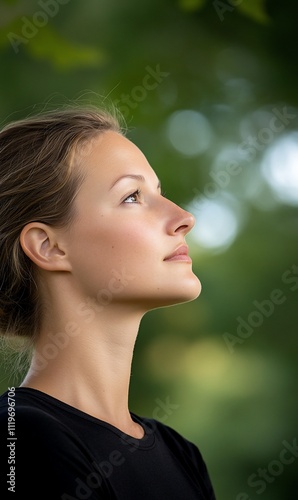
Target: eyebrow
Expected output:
[137,177]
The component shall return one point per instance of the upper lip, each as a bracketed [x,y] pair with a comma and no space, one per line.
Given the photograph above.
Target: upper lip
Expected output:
[181,250]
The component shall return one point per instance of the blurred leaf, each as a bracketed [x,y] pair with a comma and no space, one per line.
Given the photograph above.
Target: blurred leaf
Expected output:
[255,9]
[61,53]
[191,5]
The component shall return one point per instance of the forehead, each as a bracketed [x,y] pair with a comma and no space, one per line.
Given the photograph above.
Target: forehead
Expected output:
[111,152]
[110,157]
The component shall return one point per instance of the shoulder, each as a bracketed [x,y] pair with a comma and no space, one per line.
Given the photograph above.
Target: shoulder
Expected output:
[173,440]
[24,415]
[35,425]
[45,447]
[189,454]
[185,451]
[34,428]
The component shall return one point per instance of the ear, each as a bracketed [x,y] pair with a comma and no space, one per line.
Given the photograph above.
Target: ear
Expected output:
[40,243]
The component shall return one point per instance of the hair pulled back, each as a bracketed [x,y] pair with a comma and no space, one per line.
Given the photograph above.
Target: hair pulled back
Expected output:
[39,179]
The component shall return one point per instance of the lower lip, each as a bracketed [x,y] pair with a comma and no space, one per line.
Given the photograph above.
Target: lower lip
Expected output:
[179,258]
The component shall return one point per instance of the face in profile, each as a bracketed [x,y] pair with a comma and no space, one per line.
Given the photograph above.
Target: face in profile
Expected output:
[125,229]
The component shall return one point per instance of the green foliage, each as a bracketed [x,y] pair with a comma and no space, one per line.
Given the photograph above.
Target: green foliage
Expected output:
[235,64]
[191,5]
[63,54]
[255,9]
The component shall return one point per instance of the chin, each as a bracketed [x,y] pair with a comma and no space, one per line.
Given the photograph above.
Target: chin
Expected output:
[179,294]
[191,288]
[188,296]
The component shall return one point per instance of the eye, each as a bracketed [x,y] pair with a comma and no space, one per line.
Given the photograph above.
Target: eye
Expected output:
[133,197]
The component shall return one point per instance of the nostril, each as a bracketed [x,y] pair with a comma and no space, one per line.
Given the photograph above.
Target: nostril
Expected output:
[181,228]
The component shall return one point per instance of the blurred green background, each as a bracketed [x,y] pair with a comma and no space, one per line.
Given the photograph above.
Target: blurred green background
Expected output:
[209,93]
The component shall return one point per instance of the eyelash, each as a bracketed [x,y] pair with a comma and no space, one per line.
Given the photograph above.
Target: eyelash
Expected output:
[137,194]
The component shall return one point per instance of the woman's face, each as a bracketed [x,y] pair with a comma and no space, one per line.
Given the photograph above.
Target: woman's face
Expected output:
[126,244]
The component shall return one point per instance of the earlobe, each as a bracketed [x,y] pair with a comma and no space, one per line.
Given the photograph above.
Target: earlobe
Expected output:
[39,243]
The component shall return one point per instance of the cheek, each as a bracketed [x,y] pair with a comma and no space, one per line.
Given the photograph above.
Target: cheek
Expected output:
[105,245]
[130,239]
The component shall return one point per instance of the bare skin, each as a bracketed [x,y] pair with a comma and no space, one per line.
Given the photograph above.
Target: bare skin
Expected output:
[98,277]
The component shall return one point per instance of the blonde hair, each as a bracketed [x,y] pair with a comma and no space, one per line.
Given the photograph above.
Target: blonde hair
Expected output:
[39,179]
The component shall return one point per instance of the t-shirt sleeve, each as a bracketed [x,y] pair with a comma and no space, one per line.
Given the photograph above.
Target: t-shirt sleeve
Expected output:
[188,454]
[202,470]
[48,461]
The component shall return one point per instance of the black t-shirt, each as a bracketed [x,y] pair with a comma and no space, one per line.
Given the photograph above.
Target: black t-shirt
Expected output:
[51,450]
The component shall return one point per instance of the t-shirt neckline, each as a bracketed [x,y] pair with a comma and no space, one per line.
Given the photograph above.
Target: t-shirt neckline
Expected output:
[146,441]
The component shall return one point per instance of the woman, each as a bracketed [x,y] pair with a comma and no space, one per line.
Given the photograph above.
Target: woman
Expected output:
[88,245]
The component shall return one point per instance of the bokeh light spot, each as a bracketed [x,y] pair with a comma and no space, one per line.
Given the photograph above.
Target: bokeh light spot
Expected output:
[217,223]
[189,132]
[280,168]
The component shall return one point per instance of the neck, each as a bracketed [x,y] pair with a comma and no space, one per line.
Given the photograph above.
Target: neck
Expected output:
[88,363]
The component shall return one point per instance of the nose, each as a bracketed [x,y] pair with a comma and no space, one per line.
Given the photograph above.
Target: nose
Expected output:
[180,220]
